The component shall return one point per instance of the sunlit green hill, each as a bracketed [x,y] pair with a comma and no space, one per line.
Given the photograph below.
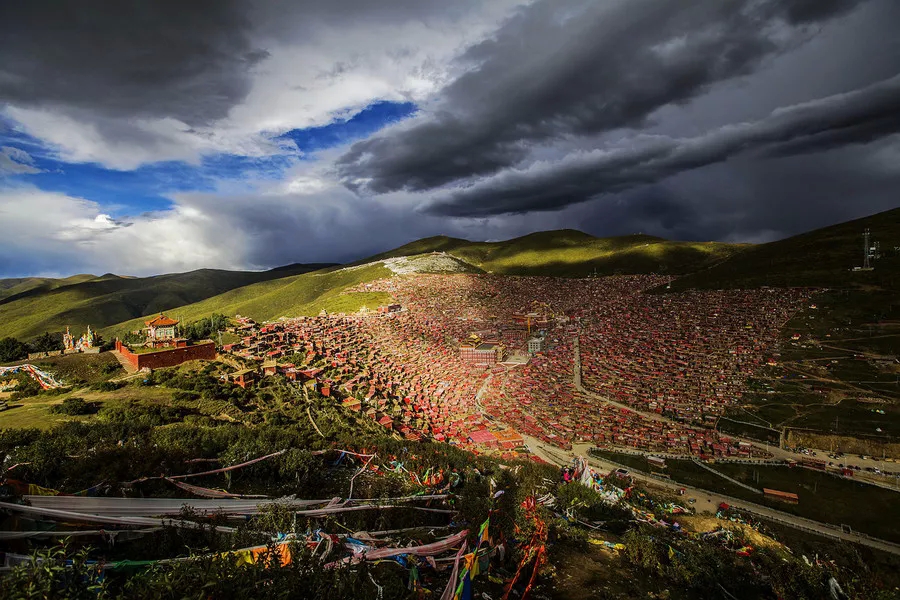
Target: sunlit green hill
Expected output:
[33,285]
[571,253]
[562,253]
[297,295]
[36,306]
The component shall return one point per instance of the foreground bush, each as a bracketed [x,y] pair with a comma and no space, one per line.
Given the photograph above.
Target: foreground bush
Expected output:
[73,406]
[60,572]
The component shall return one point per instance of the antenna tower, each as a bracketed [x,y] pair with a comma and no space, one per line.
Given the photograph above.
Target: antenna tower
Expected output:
[866,264]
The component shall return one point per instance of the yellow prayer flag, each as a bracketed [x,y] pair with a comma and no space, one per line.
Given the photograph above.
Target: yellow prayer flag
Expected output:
[36,490]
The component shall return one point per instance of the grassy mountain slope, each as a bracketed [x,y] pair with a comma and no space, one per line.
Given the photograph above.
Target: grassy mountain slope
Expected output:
[15,287]
[571,253]
[437,243]
[822,258]
[103,301]
[565,253]
[305,294]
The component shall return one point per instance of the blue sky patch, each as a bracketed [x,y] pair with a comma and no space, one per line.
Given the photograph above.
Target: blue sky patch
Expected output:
[147,188]
[120,192]
[362,124]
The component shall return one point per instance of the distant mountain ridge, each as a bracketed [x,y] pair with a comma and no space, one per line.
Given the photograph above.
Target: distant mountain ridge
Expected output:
[297,295]
[573,253]
[563,253]
[820,258]
[17,286]
[31,306]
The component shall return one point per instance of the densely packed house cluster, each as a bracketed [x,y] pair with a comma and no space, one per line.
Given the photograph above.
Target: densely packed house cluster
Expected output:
[683,358]
[684,355]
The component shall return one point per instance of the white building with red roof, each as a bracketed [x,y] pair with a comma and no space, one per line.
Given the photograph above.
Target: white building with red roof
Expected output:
[160,328]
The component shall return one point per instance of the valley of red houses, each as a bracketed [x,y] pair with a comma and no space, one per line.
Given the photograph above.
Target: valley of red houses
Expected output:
[657,369]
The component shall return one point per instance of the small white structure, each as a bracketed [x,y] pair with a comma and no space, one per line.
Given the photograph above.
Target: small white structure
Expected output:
[535,345]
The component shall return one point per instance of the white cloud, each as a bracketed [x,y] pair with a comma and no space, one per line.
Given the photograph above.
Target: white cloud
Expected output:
[84,229]
[336,71]
[328,72]
[126,145]
[52,233]
[319,221]
[14,161]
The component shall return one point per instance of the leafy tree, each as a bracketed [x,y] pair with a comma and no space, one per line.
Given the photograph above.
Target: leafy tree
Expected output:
[46,342]
[133,338]
[204,328]
[12,349]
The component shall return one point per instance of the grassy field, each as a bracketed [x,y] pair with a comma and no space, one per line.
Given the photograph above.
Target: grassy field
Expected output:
[737,423]
[826,498]
[833,380]
[76,370]
[299,295]
[79,368]
[824,406]
[823,497]
[35,411]
[682,471]
[570,253]
[110,299]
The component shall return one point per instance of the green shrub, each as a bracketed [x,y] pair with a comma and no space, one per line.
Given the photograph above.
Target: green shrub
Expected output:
[26,388]
[184,396]
[110,368]
[56,391]
[56,572]
[74,406]
[107,386]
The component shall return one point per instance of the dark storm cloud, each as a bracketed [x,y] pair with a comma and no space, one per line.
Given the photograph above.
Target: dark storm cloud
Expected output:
[855,117]
[165,58]
[799,12]
[287,20]
[561,69]
[186,59]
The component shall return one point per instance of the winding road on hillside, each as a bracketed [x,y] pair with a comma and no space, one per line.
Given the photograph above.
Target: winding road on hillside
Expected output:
[777,452]
[709,501]
[576,377]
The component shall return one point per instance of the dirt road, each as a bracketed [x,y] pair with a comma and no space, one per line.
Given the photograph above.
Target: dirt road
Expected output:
[775,451]
[706,501]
